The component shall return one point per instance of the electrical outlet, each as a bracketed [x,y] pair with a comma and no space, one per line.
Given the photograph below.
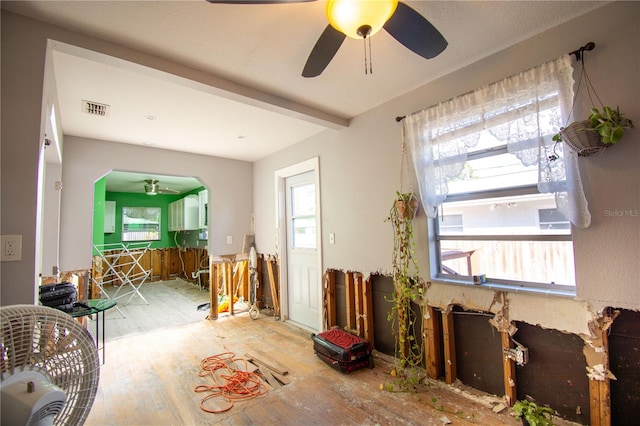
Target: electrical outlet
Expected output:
[229,239]
[11,248]
[519,354]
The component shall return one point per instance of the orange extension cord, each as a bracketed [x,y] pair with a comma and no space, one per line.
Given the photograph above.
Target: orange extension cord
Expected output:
[236,385]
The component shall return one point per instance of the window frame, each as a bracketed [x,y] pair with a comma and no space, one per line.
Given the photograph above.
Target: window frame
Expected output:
[436,238]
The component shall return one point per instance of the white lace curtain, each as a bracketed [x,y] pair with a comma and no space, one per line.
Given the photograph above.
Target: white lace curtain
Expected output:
[517,111]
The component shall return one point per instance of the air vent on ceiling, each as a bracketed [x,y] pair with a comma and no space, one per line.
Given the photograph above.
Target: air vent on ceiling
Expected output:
[95,108]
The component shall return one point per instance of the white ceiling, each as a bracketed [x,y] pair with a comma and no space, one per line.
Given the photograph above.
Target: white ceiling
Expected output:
[255,55]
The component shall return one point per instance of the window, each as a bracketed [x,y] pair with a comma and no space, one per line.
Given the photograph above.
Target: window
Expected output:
[499,204]
[552,219]
[303,216]
[451,224]
[141,223]
[511,231]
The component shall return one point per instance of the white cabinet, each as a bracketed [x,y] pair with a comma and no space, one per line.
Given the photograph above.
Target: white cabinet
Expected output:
[203,210]
[183,214]
[109,217]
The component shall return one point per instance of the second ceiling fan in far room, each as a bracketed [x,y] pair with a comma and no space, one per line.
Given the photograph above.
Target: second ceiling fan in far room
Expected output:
[152,187]
[362,19]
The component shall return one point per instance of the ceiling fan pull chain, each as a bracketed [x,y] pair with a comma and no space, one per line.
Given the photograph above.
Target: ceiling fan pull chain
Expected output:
[364,44]
[368,67]
[370,57]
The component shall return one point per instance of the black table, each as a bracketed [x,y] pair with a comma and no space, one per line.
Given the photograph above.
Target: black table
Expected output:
[94,306]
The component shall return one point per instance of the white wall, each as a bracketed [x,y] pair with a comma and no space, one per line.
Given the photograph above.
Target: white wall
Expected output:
[360,172]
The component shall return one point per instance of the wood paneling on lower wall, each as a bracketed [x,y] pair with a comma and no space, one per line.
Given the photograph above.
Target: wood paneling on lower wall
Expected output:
[163,264]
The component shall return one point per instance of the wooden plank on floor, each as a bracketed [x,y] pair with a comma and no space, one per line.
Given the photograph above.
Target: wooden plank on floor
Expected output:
[264,361]
[281,378]
[266,373]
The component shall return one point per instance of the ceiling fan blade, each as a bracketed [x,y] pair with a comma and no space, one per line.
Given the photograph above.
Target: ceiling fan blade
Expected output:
[258,1]
[168,191]
[323,52]
[415,32]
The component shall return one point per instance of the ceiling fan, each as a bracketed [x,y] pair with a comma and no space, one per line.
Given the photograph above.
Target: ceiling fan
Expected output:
[152,187]
[362,19]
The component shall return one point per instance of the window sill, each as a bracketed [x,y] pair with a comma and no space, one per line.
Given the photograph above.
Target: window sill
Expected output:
[514,288]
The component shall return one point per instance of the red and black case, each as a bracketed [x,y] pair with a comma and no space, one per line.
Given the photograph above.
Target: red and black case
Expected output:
[342,351]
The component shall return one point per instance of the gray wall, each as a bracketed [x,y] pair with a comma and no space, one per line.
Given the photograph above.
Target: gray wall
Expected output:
[23,58]
[229,183]
[360,172]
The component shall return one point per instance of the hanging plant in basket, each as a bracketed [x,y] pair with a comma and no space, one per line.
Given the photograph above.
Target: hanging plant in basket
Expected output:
[604,127]
[406,205]
[407,298]
[407,290]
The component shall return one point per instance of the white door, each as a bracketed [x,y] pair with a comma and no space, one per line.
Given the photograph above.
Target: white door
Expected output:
[303,286]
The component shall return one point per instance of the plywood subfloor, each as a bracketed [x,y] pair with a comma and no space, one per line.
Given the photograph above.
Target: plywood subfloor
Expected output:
[149,379]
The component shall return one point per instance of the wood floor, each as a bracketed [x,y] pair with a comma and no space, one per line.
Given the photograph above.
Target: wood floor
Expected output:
[170,303]
[149,375]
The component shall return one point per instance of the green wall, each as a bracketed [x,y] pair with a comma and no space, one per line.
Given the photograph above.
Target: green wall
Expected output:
[128,199]
[98,213]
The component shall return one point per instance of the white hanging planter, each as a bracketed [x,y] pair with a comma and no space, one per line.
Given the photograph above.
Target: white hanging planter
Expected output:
[581,138]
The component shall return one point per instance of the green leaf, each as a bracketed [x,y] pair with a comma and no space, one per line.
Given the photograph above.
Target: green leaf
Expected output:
[617,134]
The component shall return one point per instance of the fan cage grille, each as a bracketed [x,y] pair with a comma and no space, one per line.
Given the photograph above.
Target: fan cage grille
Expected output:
[51,409]
[51,342]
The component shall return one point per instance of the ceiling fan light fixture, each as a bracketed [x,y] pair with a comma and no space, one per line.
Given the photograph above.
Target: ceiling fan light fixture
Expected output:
[351,16]
[151,187]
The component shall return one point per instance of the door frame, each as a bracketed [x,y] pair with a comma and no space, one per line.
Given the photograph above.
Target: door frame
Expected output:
[280,177]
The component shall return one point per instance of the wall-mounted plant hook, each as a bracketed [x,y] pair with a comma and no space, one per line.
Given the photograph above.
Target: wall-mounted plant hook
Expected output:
[589,46]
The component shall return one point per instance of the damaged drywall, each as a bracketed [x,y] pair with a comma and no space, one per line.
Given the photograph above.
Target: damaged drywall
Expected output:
[595,351]
[510,307]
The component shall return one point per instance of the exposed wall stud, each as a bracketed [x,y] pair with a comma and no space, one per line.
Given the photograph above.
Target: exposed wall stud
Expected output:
[432,343]
[350,301]
[449,347]
[509,369]
[368,311]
